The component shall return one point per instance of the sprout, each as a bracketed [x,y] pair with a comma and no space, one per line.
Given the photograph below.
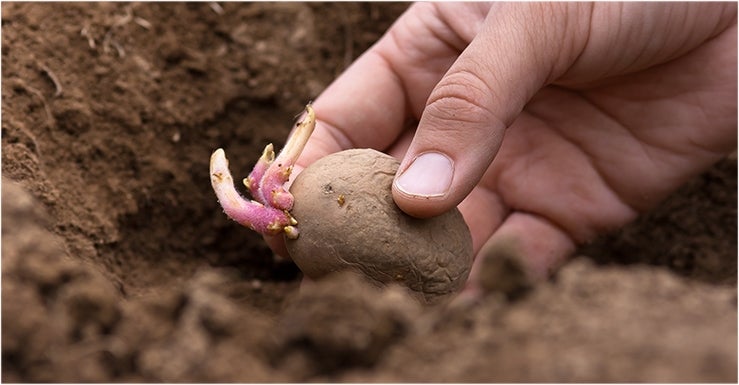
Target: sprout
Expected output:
[269,212]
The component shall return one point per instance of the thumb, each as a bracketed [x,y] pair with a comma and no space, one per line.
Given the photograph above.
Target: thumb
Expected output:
[462,125]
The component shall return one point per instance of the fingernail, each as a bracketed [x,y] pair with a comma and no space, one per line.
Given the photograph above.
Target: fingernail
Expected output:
[430,175]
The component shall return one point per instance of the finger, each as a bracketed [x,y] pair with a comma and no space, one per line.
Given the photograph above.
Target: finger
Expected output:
[277,244]
[462,126]
[483,211]
[364,107]
[368,105]
[532,245]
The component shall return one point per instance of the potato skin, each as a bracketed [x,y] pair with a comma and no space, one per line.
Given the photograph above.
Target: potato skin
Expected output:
[347,219]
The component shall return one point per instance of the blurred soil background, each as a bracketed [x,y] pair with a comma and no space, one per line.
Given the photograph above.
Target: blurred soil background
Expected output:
[118,265]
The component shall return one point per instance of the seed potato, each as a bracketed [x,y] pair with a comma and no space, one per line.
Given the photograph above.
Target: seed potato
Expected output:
[348,220]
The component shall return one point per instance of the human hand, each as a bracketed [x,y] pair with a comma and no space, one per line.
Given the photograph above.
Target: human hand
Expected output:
[589,113]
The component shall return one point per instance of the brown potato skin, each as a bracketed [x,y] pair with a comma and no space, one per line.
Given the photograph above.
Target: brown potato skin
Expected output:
[347,219]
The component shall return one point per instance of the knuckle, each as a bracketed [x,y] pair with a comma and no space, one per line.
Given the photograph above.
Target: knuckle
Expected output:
[461,97]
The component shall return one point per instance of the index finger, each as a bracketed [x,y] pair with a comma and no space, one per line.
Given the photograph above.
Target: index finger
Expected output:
[367,106]
[363,107]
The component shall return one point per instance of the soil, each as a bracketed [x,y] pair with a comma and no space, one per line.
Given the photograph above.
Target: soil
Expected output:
[118,265]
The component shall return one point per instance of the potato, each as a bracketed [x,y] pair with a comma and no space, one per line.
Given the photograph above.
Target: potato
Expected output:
[348,220]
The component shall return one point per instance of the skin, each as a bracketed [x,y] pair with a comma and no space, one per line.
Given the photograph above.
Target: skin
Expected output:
[367,231]
[592,113]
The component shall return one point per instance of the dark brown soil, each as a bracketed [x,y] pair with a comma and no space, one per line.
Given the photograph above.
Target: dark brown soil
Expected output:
[118,265]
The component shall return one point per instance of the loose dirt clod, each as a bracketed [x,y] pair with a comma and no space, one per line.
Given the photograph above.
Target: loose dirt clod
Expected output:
[339,323]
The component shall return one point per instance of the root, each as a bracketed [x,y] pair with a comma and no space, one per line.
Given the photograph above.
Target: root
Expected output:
[125,19]
[143,23]
[108,41]
[86,34]
[57,85]
[216,7]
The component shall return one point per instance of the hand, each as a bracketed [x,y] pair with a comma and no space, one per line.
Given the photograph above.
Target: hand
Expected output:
[589,113]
